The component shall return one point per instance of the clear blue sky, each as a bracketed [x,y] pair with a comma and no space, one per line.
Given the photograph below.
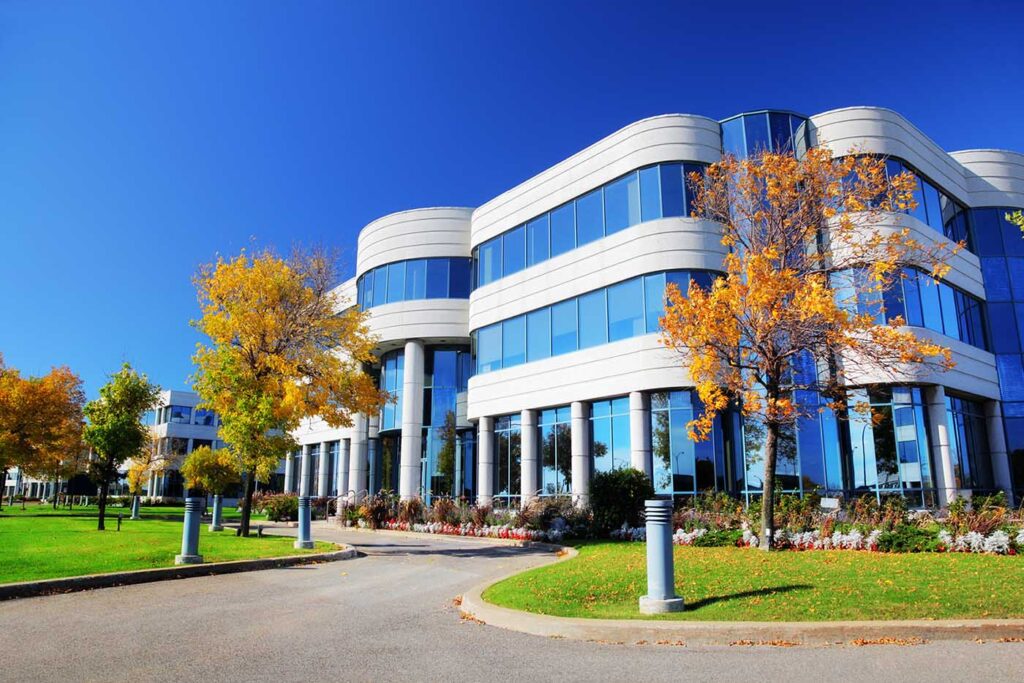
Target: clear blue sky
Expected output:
[139,139]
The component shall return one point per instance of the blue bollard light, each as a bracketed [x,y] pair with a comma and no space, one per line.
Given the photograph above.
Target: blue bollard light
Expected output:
[661,589]
[216,523]
[190,532]
[135,508]
[305,539]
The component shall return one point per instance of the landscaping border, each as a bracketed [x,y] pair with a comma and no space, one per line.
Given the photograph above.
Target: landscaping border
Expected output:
[72,584]
[772,633]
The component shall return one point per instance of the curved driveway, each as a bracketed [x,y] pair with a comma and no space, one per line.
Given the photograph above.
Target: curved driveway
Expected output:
[389,616]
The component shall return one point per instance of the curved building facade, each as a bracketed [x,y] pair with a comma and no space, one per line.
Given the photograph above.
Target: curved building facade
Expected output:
[519,340]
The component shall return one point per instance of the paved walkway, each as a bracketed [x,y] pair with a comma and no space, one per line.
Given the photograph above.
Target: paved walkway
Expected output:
[389,616]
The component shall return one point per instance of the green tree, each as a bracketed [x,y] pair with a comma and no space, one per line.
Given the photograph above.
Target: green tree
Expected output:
[213,471]
[115,431]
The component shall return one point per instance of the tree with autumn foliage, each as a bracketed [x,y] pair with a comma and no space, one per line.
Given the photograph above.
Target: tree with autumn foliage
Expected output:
[813,245]
[283,347]
[212,470]
[40,422]
[115,431]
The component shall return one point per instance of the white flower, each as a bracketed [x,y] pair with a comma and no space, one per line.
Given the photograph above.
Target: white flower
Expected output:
[997,542]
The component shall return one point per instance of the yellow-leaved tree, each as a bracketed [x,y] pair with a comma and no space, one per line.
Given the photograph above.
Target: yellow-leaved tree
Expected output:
[282,348]
[814,243]
[211,470]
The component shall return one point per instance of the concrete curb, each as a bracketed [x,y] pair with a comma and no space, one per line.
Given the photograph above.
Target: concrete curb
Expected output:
[658,632]
[72,584]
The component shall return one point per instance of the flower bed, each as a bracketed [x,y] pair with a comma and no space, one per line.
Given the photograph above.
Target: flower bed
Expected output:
[498,531]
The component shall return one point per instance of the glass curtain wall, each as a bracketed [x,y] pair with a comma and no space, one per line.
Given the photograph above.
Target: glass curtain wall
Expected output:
[681,465]
[429,278]
[555,427]
[609,434]
[446,374]
[508,460]
[972,465]
[392,375]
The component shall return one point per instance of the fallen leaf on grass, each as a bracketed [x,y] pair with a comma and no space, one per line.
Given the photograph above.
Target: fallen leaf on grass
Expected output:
[861,642]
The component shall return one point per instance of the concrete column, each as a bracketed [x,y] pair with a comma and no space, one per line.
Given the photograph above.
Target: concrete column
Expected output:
[323,484]
[640,433]
[306,470]
[997,448]
[412,420]
[938,438]
[289,461]
[661,579]
[342,473]
[581,453]
[529,444]
[357,465]
[485,462]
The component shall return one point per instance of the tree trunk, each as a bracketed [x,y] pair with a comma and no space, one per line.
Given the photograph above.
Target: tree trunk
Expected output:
[771,447]
[3,485]
[250,488]
[56,491]
[104,487]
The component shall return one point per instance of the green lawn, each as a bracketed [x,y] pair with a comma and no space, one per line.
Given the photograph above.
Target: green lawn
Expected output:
[47,547]
[171,512]
[742,584]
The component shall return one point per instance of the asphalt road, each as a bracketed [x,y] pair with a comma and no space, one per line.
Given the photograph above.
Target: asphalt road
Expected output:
[389,616]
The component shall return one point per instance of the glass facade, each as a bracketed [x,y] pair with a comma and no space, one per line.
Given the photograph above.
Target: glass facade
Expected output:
[430,278]
[446,373]
[935,208]
[646,194]
[609,434]
[1000,247]
[747,134]
[555,427]
[508,460]
[391,380]
[972,466]
[623,310]
[683,466]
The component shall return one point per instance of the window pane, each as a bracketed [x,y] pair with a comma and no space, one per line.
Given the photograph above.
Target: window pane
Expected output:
[1013,245]
[912,298]
[757,133]
[987,227]
[601,444]
[650,193]
[1004,328]
[931,204]
[416,279]
[537,240]
[622,203]
[538,334]
[458,278]
[589,218]
[997,279]
[672,190]
[514,245]
[688,170]
[654,300]
[437,278]
[625,310]
[563,327]
[396,282]
[779,124]
[931,312]
[513,342]
[732,138]
[490,261]
[919,211]
[488,349]
[563,229]
[380,289]
[949,324]
[593,319]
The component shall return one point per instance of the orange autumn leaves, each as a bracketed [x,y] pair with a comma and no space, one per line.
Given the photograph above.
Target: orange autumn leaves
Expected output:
[794,227]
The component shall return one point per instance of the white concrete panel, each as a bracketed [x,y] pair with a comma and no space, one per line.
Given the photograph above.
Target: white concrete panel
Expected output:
[671,137]
[420,233]
[665,244]
[994,177]
[427,319]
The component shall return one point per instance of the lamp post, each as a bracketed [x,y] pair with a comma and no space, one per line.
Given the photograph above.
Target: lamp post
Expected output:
[190,532]
[305,539]
[661,591]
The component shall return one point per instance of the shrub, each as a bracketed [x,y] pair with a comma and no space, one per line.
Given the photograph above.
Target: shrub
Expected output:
[444,511]
[718,538]
[907,539]
[481,515]
[984,516]
[280,507]
[617,497]
[376,510]
[410,511]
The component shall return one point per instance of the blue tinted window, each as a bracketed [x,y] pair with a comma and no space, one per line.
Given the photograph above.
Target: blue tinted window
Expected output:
[593,319]
[490,261]
[680,278]
[1013,241]
[654,300]
[537,240]
[997,280]
[650,193]
[931,204]
[798,138]
[416,279]
[1004,328]
[514,245]
[949,321]
[538,334]
[625,310]
[931,311]
[380,290]
[758,139]
[912,299]
[458,278]
[396,282]
[732,138]
[589,218]
[622,203]
[672,190]
[563,229]
[986,225]
[488,349]
[513,342]
[688,171]
[1011,375]
[779,124]
[563,327]
[437,278]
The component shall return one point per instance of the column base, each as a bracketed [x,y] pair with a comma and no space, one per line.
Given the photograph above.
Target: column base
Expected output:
[650,605]
[188,559]
[136,517]
[216,527]
[304,545]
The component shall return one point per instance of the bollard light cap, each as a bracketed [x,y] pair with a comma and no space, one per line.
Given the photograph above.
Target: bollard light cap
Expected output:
[658,503]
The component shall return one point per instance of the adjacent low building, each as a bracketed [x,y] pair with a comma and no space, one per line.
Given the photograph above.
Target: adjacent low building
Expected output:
[520,338]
